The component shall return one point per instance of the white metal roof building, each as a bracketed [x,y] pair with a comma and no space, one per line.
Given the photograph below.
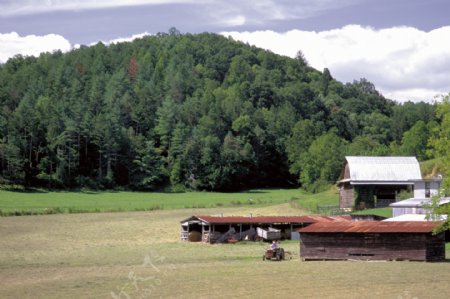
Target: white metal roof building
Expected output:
[416,217]
[376,170]
[414,206]
[417,202]
[367,182]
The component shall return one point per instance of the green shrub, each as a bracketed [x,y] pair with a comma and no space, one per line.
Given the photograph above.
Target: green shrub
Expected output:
[179,188]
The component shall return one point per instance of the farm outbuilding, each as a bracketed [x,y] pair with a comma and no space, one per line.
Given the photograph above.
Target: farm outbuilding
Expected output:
[415,206]
[219,229]
[372,240]
[367,182]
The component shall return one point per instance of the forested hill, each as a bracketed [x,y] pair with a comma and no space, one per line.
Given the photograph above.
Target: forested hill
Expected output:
[190,111]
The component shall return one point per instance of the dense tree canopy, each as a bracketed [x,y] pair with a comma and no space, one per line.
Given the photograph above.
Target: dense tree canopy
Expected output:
[191,111]
[439,146]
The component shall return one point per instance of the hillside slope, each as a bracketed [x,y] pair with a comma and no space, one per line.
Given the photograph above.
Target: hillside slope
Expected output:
[186,111]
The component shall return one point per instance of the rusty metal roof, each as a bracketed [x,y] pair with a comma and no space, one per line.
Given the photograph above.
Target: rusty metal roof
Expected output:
[371,227]
[265,219]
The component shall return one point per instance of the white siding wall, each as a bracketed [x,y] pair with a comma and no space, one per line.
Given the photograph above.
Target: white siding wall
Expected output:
[402,211]
[420,188]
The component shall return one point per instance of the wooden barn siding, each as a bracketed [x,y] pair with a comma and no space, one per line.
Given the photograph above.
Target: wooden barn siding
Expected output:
[346,172]
[372,246]
[346,197]
[436,247]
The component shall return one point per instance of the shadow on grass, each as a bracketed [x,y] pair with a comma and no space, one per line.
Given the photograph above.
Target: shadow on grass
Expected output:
[90,192]
[23,190]
[255,191]
[43,191]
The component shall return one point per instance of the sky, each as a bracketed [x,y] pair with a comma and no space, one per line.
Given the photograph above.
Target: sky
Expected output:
[402,46]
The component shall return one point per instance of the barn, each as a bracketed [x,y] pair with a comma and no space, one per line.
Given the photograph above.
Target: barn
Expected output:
[367,182]
[372,240]
[218,229]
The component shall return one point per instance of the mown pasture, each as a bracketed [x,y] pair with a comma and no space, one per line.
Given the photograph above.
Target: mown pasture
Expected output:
[139,255]
[54,202]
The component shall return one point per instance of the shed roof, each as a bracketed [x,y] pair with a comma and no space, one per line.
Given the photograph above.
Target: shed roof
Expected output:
[371,227]
[264,219]
[382,169]
[414,217]
[417,202]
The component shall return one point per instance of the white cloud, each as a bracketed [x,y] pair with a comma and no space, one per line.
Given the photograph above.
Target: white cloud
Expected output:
[234,21]
[24,7]
[125,39]
[238,12]
[403,62]
[223,12]
[31,45]
[415,95]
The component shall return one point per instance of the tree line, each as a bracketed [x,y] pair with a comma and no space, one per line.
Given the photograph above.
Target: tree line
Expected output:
[201,112]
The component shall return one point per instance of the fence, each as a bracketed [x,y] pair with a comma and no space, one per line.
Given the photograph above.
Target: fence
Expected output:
[330,210]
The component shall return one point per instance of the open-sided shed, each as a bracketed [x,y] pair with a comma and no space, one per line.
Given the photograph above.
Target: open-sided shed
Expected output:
[372,240]
[214,229]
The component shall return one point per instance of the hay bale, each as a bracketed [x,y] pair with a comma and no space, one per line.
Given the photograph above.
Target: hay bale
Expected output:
[195,236]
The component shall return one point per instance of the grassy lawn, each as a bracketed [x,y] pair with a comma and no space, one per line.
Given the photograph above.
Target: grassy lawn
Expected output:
[139,255]
[310,201]
[384,212]
[50,202]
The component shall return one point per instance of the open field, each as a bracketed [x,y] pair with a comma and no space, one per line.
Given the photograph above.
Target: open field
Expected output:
[45,202]
[139,255]
[310,201]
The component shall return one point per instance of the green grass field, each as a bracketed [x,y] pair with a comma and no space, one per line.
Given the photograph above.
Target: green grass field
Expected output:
[139,255]
[50,202]
[310,201]
[384,212]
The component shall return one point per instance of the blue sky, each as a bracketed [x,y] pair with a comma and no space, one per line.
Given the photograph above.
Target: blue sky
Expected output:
[402,46]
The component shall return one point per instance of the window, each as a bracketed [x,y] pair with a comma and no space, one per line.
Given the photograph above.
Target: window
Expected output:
[427,190]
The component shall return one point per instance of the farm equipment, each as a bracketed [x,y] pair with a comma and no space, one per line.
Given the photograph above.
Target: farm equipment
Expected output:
[231,236]
[269,234]
[276,254]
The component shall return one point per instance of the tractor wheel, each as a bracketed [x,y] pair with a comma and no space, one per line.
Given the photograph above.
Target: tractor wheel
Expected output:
[282,253]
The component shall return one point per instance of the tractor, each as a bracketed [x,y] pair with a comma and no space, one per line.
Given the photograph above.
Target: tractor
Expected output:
[276,254]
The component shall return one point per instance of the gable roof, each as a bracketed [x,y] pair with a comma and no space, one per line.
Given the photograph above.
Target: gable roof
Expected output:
[371,227]
[365,169]
[263,219]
